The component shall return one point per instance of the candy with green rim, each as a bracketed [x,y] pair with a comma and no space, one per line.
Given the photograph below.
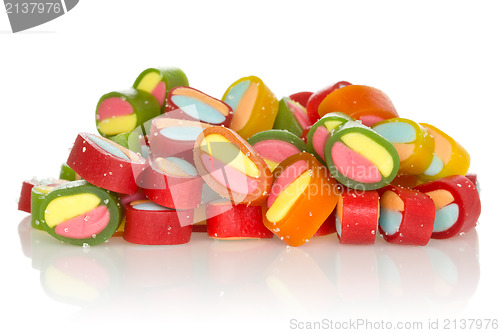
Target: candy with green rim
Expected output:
[291,117]
[80,213]
[123,111]
[276,145]
[321,130]
[360,158]
[159,81]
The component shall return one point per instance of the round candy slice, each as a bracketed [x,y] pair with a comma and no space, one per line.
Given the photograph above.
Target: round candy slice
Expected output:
[449,157]
[191,104]
[360,158]
[406,216]
[320,131]
[105,163]
[368,104]
[231,167]
[301,97]
[226,220]
[122,111]
[171,182]
[357,217]
[79,213]
[174,137]
[159,81]
[414,144]
[148,223]
[302,197]
[315,99]
[276,145]
[457,204]
[291,117]
[254,105]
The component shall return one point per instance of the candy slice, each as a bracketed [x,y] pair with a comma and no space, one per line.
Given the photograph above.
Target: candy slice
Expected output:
[360,158]
[368,104]
[159,81]
[320,131]
[291,117]
[105,163]
[174,137]
[457,204]
[302,197]
[414,144]
[357,217]
[171,182]
[148,223]
[226,220]
[254,105]
[79,213]
[301,97]
[406,216]
[276,145]
[449,157]
[191,104]
[123,111]
[231,167]
[315,100]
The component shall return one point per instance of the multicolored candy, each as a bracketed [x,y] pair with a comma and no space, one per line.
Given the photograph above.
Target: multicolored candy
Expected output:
[123,111]
[254,105]
[291,117]
[406,216]
[231,167]
[274,146]
[315,100]
[148,223]
[368,104]
[159,81]
[449,157]
[321,130]
[360,158]
[105,163]
[357,217]
[81,214]
[302,197]
[457,205]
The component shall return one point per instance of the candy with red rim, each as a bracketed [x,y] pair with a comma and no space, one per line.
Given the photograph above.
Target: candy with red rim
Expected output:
[406,216]
[174,137]
[276,145]
[80,213]
[226,220]
[360,158]
[449,157]
[315,99]
[171,182]
[148,223]
[159,81]
[192,104]
[301,97]
[105,163]
[320,131]
[414,144]
[254,106]
[302,197]
[24,203]
[231,167]
[133,141]
[291,116]
[327,227]
[457,205]
[357,217]
[365,103]
[123,111]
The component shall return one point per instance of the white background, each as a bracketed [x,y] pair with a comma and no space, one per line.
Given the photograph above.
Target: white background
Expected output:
[437,60]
